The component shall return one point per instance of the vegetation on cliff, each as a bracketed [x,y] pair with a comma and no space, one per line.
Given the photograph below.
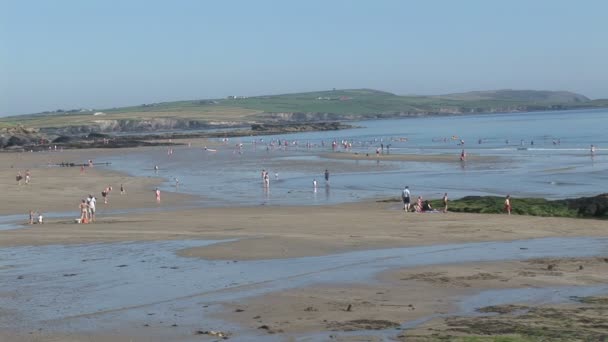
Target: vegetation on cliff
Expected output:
[355,104]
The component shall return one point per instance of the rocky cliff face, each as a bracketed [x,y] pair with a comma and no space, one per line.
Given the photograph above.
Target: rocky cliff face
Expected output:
[20,136]
[147,125]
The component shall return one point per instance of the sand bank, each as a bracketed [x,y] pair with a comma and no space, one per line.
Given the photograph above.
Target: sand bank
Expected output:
[57,189]
[285,232]
[406,295]
[431,158]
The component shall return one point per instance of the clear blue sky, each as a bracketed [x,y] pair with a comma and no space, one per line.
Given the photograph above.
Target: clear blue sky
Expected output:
[105,53]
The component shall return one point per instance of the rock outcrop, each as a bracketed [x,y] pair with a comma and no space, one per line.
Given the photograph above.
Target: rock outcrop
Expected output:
[596,206]
[16,137]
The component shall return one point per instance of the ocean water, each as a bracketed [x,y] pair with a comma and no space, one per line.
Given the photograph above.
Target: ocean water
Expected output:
[544,154]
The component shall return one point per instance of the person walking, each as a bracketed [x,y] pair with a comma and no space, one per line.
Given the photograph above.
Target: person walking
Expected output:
[508,204]
[405,196]
[326,176]
[445,202]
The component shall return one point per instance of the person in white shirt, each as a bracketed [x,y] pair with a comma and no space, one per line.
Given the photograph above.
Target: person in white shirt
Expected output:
[405,196]
[91,201]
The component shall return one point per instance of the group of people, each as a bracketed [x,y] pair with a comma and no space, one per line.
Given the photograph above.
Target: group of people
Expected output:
[36,217]
[20,177]
[421,206]
[87,208]
[425,206]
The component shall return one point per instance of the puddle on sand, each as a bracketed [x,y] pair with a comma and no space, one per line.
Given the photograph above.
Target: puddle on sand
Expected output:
[17,221]
[116,285]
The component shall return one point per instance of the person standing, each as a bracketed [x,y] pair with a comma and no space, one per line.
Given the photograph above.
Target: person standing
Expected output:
[83,211]
[91,202]
[122,189]
[157,193]
[105,194]
[326,176]
[508,204]
[405,196]
[445,202]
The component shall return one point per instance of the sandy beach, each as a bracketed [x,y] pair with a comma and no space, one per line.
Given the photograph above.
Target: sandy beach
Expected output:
[280,232]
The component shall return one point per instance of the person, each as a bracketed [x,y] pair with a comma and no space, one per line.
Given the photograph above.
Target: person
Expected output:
[83,211]
[445,202]
[463,156]
[155,168]
[326,176]
[266,180]
[405,196]
[122,189]
[28,176]
[592,152]
[91,203]
[427,206]
[508,204]
[31,217]
[419,204]
[104,194]
[314,184]
[40,218]
[19,178]
[157,193]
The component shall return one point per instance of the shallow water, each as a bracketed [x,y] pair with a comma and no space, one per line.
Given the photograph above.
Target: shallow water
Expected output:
[545,170]
[116,285]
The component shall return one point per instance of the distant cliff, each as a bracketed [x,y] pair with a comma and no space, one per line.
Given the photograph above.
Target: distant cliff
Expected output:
[310,107]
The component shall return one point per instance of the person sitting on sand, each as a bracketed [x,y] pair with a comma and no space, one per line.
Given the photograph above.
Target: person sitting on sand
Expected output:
[418,205]
[427,206]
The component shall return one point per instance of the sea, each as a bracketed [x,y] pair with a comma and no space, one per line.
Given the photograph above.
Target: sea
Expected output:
[536,154]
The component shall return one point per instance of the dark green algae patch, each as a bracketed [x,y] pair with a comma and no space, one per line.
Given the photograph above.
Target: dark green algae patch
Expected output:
[582,207]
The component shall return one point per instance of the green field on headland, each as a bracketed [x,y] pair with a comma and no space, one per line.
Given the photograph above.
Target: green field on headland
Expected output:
[354,104]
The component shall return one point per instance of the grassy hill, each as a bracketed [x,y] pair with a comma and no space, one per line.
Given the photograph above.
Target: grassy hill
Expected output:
[349,104]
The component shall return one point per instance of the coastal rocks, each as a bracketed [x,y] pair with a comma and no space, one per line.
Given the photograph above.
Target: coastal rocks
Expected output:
[15,137]
[131,125]
[590,206]
[298,127]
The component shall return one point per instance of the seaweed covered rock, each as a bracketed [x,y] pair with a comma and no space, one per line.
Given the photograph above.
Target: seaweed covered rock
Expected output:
[596,206]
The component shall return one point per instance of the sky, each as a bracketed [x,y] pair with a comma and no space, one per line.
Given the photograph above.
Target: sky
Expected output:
[66,54]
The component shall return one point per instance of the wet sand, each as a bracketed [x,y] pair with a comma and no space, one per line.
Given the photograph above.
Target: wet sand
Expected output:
[58,189]
[407,295]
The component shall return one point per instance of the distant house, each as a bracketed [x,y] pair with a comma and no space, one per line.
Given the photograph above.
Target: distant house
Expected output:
[99,113]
